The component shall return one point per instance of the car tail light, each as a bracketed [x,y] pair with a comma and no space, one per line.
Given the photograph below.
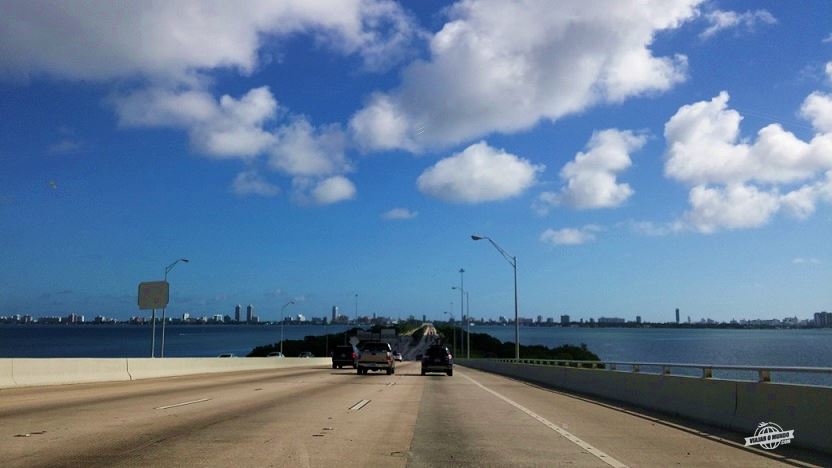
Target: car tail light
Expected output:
[354,356]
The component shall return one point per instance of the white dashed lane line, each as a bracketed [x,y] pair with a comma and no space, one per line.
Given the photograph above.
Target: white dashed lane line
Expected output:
[359,405]
[183,404]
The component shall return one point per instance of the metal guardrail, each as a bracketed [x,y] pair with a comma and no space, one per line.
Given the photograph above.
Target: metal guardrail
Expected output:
[763,372]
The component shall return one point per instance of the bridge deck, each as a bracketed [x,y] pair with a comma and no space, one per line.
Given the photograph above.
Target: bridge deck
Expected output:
[302,417]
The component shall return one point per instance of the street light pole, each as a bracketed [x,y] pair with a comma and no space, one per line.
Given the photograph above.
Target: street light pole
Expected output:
[461,302]
[466,330]
[356,308]
[282,322]
[512,260]
[468,323]
[453,326]
[153,334]
[164,309]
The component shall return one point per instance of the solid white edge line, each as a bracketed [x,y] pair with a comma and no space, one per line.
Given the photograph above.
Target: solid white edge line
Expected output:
[359,405]
[563,432]
[183,404]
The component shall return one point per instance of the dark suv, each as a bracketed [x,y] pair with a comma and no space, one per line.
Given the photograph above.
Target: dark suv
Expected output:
[438,359]
[344,355]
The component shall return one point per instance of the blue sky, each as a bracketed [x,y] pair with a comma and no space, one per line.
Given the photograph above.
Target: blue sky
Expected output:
[635,158]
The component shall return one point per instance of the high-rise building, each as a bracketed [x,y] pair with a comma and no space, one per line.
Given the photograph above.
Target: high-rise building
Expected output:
[677,315]
[238,310]
[564,320]
[424,318]
[823,319]
[334,313]
[249,313]
[638,319]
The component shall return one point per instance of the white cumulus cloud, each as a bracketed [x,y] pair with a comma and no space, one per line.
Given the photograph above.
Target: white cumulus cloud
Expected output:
[570,236]
[479,173]
[732,207]
[591,178]
[248,128]
[720,20]
[739,183]
[399,214]
[172,40]
[301,149]
[224,128]
[249,182]
[327,191]
[500,66]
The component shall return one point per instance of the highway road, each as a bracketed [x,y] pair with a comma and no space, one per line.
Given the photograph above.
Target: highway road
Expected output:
[326,417]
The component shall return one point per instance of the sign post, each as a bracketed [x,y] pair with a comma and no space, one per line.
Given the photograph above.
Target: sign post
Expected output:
[153,295]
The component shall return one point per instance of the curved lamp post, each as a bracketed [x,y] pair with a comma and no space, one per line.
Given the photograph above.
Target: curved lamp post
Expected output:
[164,309]
[512,260]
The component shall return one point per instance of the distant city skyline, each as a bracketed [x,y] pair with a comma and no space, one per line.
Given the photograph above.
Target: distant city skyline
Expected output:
[323,155]
[820,319]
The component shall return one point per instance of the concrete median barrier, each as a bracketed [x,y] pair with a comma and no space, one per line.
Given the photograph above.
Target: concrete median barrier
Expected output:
[31,372]
[147,368]
[21,372]
[734,405]
[6,378]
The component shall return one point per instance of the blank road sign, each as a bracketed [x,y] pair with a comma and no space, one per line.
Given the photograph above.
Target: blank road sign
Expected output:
[153,295]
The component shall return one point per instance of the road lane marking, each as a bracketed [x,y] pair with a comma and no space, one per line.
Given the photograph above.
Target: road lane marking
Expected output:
[183,404]
[359,405]
[563,432]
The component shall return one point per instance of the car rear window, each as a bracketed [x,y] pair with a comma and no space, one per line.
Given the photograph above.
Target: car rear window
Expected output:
[376,347]
[437,352]
[344,348]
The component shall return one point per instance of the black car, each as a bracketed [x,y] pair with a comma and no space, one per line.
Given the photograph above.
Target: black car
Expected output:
[344,355]
[438,359]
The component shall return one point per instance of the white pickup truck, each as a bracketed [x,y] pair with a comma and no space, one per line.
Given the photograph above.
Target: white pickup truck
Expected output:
[376,356]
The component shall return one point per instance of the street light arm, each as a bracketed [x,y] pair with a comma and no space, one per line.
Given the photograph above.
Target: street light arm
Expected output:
[170,267]
[509,258]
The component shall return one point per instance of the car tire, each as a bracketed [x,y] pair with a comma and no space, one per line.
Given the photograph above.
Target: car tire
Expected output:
[334,366]
[423,372]
[360,371]
[450,373]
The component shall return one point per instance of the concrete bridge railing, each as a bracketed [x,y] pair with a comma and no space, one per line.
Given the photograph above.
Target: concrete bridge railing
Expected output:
[732,404]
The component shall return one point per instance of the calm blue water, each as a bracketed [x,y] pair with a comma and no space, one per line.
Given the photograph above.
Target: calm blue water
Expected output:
[809,348]
[793,347]
[134,340]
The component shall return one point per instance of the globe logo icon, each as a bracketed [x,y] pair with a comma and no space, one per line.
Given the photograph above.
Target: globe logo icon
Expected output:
[770,435]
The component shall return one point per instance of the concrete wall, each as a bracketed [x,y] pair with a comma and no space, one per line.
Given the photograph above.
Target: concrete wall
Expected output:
[29,372]
[32,371]
[6,379]
[734,405]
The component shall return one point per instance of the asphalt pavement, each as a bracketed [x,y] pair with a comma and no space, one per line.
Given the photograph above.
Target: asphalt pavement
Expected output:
[327,417]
